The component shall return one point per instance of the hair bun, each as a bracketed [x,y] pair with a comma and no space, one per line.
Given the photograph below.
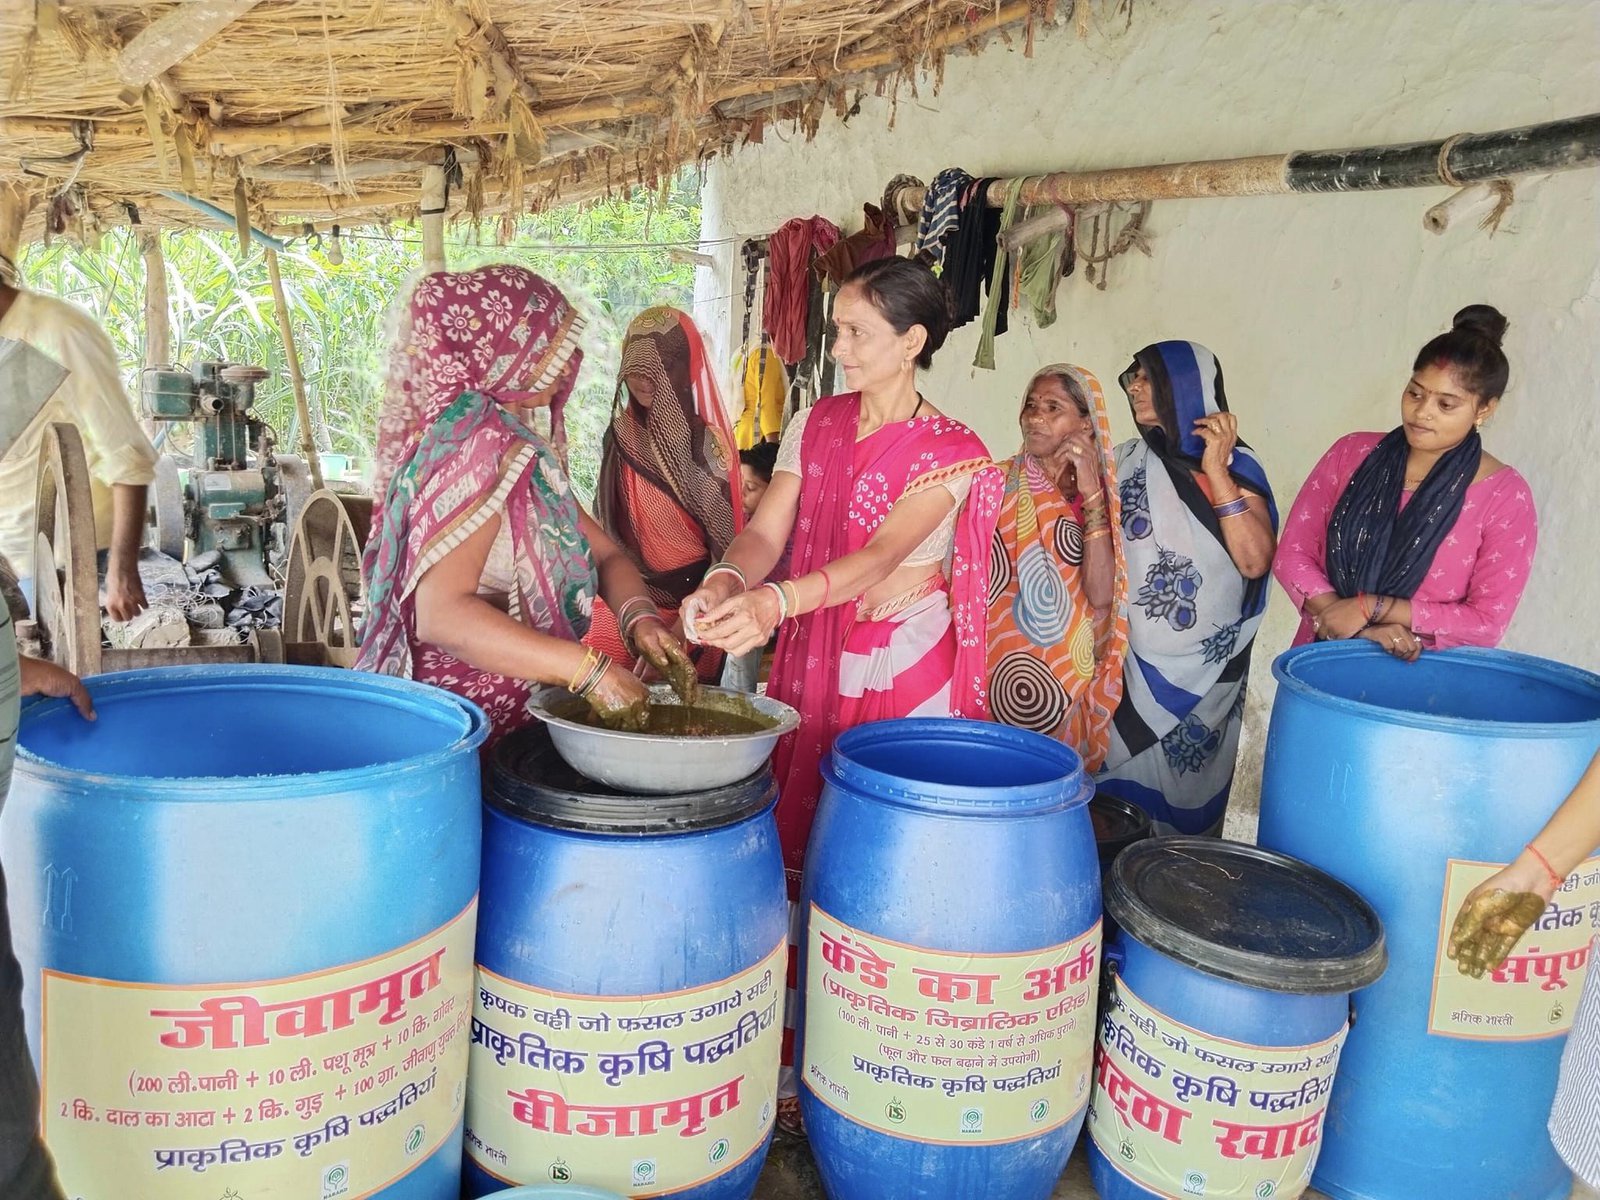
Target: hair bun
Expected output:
[1485,320]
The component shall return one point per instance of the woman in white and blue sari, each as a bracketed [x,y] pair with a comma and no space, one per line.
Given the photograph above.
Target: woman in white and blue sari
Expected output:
[1199,527]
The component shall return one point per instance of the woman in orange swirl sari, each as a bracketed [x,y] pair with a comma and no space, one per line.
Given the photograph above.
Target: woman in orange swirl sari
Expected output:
[1057,577]
[669,477]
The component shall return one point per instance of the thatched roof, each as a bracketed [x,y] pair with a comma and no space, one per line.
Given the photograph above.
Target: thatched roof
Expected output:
[334,109]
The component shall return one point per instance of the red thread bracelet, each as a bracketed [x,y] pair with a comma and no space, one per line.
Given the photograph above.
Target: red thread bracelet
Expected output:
[1545,863]
[827,586]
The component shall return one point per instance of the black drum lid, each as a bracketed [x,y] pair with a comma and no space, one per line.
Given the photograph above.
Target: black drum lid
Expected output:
[1246,914]
[528,779]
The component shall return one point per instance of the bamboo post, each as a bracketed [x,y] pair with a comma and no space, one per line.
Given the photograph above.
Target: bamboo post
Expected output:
[302,407]
[157,324]
[433,219]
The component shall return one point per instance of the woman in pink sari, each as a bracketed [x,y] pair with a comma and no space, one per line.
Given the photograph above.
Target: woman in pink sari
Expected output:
[892,506]
[482,569]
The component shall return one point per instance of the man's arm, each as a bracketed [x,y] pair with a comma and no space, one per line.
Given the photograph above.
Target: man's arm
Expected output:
[124,589]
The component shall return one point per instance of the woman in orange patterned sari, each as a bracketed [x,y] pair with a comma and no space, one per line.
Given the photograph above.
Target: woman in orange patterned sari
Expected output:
[669,477]
[1057,578]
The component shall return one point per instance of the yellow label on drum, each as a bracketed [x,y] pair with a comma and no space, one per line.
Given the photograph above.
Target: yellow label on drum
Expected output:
[1534,993]
[1184,1114]
[333,1084]
[951,1048]
[642,1095]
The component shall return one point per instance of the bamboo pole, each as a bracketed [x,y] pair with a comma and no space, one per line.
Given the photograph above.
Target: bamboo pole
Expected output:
[323,174]
[16,128]
[1563,145]
[302,406]
[433,190]
[157,322]
[243,139]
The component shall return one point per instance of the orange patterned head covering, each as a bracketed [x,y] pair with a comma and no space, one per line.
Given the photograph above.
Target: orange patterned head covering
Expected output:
[1055,662]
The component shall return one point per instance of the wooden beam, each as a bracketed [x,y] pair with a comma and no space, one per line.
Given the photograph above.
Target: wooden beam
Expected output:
[323,174]
[173,37]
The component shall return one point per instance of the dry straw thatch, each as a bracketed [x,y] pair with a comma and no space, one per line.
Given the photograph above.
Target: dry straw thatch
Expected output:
[295,110]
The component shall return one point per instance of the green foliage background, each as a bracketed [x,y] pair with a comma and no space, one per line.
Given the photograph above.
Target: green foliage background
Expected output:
[221,308]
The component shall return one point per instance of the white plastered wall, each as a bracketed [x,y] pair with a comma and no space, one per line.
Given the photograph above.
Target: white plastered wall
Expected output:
[1315,304]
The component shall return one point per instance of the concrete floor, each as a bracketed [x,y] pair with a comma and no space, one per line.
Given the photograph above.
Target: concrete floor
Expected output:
[791,1175]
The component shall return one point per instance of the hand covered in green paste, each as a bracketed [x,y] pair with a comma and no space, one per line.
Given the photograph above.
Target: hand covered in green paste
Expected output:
[620,701]
[1493,918]
[658,646]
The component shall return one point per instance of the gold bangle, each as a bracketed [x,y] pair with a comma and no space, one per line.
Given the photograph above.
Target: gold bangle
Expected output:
[583,667]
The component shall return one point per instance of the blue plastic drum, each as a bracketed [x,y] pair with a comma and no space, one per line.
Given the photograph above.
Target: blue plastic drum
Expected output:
[244,904]
[1411,782]
[555,1192]
[1226,1005]
[632,961]
[951,903]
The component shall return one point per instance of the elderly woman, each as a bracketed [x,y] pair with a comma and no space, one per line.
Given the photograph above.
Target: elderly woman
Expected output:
[1198,529]
[669,478]
[482,570]
[892,506]
[1057,579]
[1418,538]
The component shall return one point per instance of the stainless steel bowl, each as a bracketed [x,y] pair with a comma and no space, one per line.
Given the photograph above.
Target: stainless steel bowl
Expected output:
[660,764]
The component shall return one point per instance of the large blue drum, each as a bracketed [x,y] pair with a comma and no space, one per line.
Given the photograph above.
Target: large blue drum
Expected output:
[951,907]
[1225,1009]
[632,960]
[244,904]
[1412,782]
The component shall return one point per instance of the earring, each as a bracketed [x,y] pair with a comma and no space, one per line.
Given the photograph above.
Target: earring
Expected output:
[1478,424]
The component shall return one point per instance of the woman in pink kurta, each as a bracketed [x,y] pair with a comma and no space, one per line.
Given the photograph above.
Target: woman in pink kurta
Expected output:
[1418,538]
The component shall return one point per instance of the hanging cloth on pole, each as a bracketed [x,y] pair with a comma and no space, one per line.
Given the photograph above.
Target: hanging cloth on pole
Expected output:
[790,251]
[994,313]
[941,207]
[1042,264]
[970,256]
